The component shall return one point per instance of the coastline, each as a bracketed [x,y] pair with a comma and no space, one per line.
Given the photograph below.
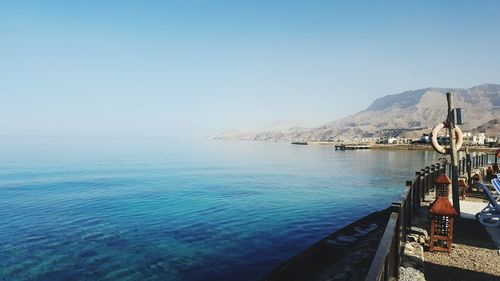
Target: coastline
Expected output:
[425,147]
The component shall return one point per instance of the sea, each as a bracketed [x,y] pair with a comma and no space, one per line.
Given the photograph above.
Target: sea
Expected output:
[162,209]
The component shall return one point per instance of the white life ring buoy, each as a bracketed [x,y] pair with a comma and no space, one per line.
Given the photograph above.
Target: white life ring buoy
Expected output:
[437,146]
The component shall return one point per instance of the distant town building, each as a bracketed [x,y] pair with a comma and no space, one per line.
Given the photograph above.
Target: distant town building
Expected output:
[478,139]
[426,138]
[395,140]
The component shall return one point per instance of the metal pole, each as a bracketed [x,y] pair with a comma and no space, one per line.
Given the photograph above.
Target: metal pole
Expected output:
[453,154]
[469,168]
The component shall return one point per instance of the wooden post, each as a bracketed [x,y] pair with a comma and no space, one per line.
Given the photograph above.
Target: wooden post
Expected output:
[453,154]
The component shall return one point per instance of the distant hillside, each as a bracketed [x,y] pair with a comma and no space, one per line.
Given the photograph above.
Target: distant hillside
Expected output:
[490,128]
[411,111]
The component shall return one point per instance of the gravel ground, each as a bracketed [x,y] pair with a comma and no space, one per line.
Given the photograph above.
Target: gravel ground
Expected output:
[474,256]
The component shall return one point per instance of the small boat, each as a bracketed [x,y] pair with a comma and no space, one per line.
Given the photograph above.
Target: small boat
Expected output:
[300,142]
[340,147]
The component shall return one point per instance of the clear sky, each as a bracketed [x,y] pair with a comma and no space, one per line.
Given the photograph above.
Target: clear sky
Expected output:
[196,68]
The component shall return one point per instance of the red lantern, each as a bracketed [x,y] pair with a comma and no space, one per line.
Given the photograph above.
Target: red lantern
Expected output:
[442,215]
[462,188]
[442,186]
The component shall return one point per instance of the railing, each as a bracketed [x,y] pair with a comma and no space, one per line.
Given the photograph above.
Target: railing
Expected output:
[385,264]
[477,161]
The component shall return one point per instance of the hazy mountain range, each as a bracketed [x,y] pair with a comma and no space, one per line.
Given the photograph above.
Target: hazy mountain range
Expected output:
[406,114]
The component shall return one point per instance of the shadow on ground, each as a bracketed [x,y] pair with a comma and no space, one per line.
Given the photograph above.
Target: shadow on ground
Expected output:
[473,258]
[472,233]
[450,273]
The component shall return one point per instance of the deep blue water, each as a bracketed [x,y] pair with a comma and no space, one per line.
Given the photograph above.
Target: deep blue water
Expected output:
[153,209]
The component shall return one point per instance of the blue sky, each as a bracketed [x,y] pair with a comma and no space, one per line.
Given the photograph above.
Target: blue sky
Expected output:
[196,68]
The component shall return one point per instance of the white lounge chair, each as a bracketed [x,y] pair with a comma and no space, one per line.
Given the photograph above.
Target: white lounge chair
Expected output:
[496,185]
[490,215]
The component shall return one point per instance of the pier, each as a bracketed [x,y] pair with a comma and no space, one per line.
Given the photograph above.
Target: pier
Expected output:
[391,244]
[351,147]
[405,242]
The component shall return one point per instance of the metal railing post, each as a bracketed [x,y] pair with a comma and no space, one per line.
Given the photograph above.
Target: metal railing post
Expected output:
[422,184]
[433,176]
[398,241]
[427,170]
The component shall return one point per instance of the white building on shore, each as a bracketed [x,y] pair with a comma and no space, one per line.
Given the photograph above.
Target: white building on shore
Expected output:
[478,139]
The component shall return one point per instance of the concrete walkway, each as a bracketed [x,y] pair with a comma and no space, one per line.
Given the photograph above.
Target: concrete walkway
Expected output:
[468,210]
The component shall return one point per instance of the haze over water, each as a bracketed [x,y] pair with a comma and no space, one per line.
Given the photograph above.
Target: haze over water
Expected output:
[154,209]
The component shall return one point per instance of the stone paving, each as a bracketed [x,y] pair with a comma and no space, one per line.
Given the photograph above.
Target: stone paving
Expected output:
[468,210]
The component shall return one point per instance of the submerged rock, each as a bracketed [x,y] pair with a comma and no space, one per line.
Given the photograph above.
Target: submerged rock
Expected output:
[347,239]
[364,231]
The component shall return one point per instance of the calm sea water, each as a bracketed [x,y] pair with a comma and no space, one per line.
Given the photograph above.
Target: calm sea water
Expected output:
[152,209]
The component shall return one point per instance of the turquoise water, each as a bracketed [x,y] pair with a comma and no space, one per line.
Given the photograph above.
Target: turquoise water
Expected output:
[153,209]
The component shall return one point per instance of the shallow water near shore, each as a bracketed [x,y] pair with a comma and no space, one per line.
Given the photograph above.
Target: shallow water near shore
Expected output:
[155,209]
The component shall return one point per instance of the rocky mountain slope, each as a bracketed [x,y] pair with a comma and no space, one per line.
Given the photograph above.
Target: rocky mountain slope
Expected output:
[411,111]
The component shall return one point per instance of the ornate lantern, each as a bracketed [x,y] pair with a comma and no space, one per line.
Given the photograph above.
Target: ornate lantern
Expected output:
[462,188]
[442,186]
[442,215]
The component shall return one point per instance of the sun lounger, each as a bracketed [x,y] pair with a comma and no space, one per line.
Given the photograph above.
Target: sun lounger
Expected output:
[489,219]
[490,215]
[493,205]
[496,185]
